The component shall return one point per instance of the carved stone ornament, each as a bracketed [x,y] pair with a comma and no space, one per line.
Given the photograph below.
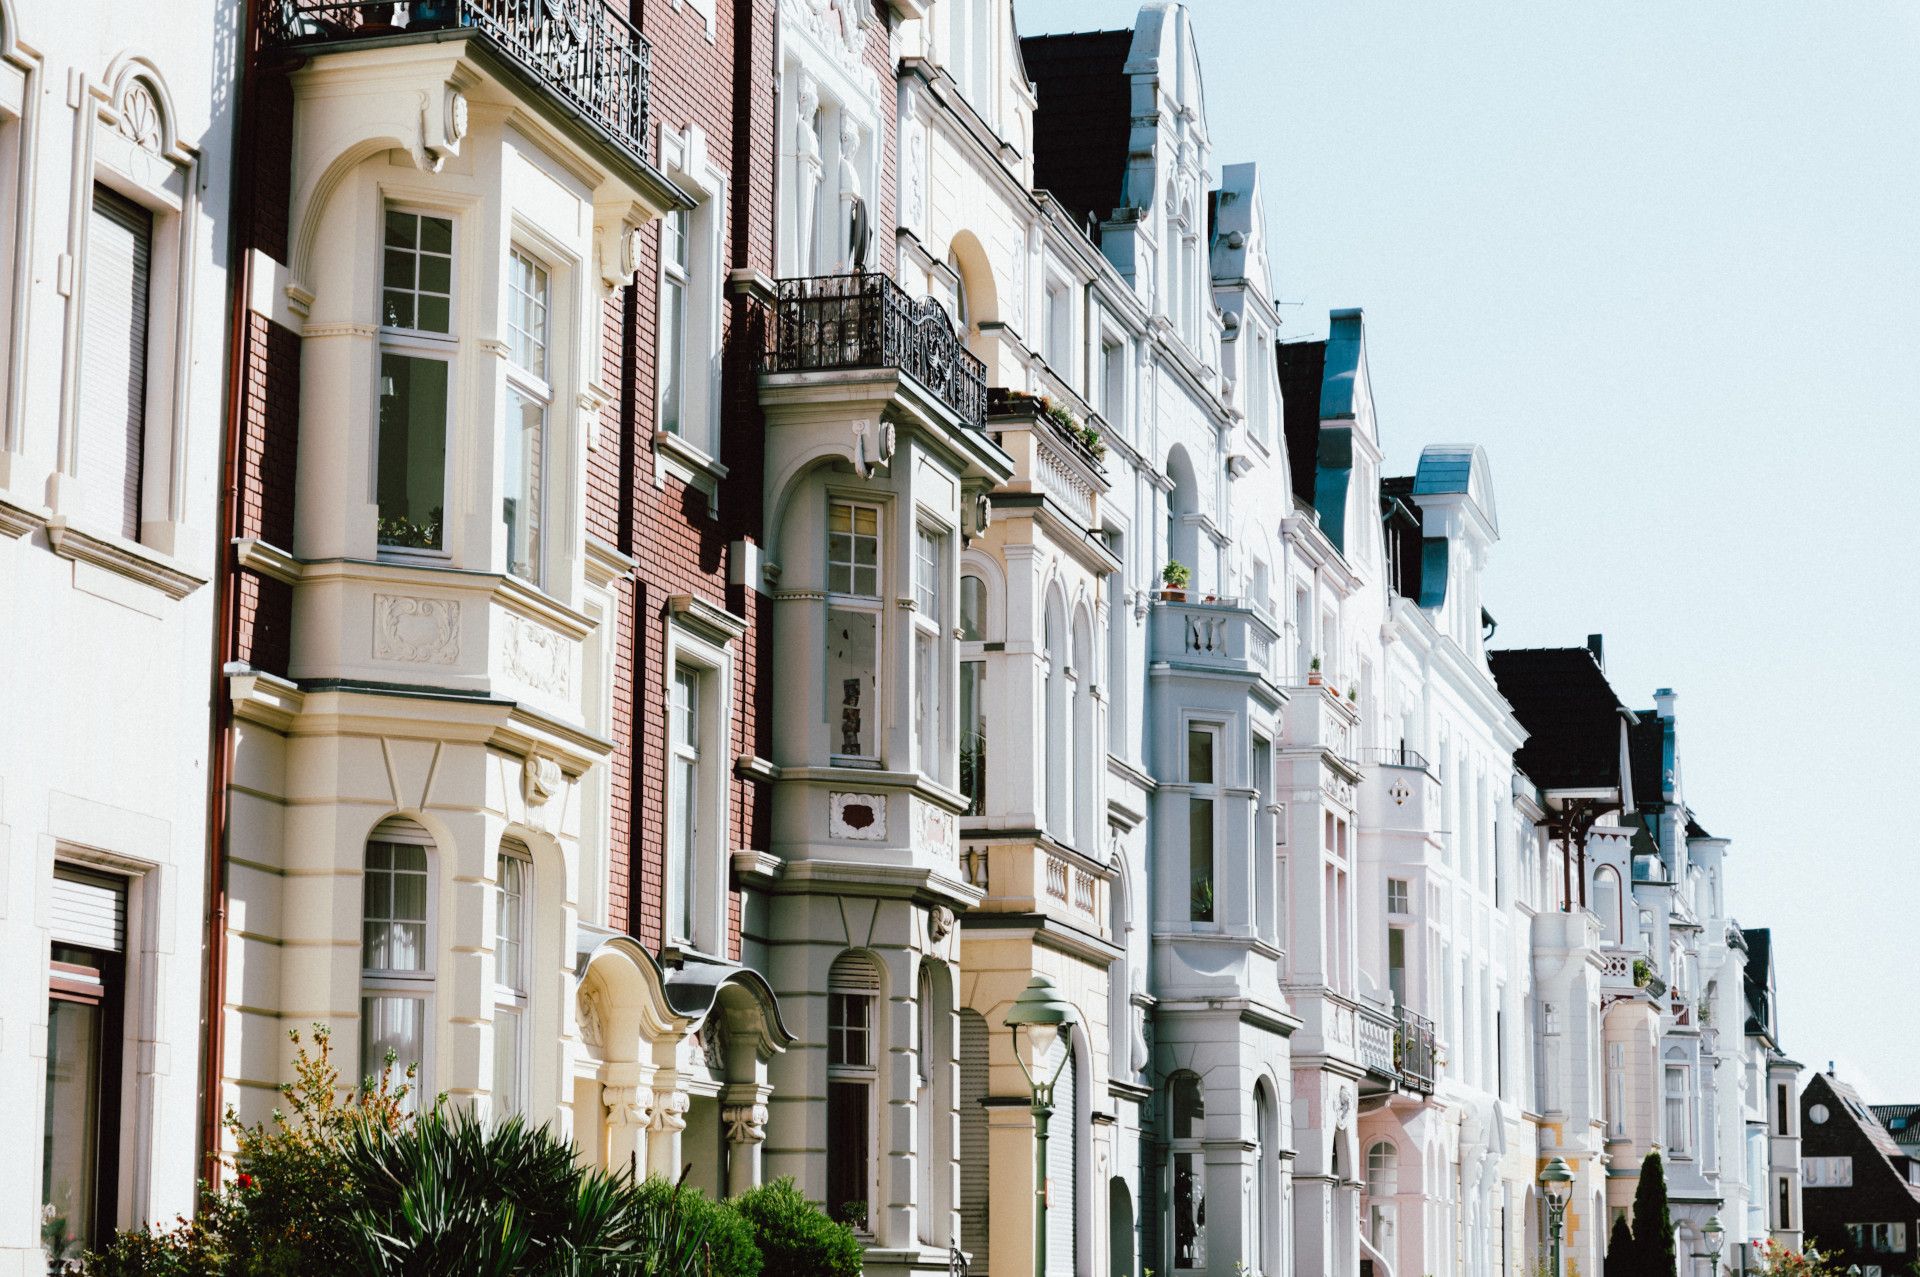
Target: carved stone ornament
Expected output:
[419,630]
[669,1112]
[913,168]
[540,779]
[140,117]
[838,26]
[873,443]
[588,1011]
[538,657]
[1344,1102]
[939,923]
[861,817]
[713,1048]
[629,1106]
[746,1123]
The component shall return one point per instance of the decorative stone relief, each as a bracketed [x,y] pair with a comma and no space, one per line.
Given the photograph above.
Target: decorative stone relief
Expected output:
[140,117]
[746,1123]
[423,631]
[540,779]
[873,444]
[713,1048]
[538,657]
[1399,793]
[587,1010]
[862,817]
[913,169]
[938,833]
[840,27]
[630,1106]
[669,1112]
[939,923]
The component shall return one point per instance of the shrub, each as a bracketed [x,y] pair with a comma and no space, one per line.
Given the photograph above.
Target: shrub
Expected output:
[727,1247]
[795,1237]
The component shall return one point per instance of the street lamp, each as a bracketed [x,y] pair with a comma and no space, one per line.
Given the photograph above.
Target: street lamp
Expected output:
[1043,1013]
[1716,1237]
[1557,1179]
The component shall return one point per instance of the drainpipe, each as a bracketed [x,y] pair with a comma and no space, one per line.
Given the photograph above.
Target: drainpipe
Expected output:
[226,610]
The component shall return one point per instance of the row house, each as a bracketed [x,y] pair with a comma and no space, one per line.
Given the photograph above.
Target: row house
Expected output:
[116,169]
[1862,1184]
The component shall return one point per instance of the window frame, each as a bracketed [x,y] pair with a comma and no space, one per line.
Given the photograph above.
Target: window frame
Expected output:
[1191,1146]
[865,1073]
[420,344]
[711,662]
[538,388]
[387,983]
[933,605]
[873,605]
[513,995]
[1209,791]
[691,451]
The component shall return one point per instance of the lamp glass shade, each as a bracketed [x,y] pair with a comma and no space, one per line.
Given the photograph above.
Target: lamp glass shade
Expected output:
[1040,1040]
[1557,1179]
[1716,1235]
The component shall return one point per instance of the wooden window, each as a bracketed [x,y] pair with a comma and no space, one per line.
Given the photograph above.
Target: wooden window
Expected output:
[85,992]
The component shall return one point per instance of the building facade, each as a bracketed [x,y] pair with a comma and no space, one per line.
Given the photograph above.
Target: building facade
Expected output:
[116,172]
[1861,1188]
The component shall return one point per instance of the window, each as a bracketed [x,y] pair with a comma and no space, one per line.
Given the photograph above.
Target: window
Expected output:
[1189,1113]
[1112,384]
[1617,1089]
[1606,903]
[673,319]
[684,796]
[511,913]
[1056,329]
[923,1101]
[1383,1184]
[929,621]
[1397,896]
[85,992]
[973,735]
[1679,1127]
[1201,742]
[1256,365]
[853,626]
[396,964]
[416,318]
[113,382]
[1827,1172]
[529,395]
[1783,1199]
[973,608]
[1878,1239]
[1783,1109]
[1397,964]
[853,986]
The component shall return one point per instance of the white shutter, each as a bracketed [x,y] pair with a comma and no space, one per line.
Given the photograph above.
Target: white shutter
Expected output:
[1062,1160]
[113,373]
[89,910]
[975,1180]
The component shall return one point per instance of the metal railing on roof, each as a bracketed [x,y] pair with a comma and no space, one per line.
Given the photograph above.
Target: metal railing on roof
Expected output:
[1392,756]
[828,322]
[591,57]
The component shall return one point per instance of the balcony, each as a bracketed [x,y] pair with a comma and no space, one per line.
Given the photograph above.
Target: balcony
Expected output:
[838,323]
[1617,973]
[1053,459]
[1403,796]
[1414,1052]
[1220,634]
[1376,1044]
[586,59]
[1318,717]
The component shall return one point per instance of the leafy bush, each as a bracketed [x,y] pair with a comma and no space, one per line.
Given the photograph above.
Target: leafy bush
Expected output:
[727,1246]
[795,1237]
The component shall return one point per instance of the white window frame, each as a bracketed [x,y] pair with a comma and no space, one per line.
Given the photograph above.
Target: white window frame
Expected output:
[873,604]
[707,653]
[1680,1142]
[416,985]
[416,343]
[866,1073]
[513,979]
[535,386]
[691,453]
[1211,791]
[1056,326]
[931,626]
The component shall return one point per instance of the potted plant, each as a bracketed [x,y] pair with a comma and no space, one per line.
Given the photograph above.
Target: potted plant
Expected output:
[1313,672]
[1642,973]
[1174,578]
[1353,695]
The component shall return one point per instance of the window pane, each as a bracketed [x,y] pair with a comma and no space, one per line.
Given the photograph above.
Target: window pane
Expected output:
[673,342]
[394,908]
[973,609]
[847,1145]
[413,450]
[417,272]
[436,235]
[928,553]
[506,1062]
[926,689]
[527,313]
[69,1158]
[853,648]
[1199,756]
[510,924]
[849,1030]
[1200,857]
[526,426]
[1189,1211]
[397,1025]
[973,735]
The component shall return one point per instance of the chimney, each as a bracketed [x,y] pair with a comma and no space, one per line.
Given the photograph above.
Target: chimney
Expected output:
[1663,702]
[1597,644]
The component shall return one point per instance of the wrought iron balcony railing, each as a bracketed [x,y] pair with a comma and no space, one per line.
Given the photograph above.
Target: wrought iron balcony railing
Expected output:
[590,57]
[1413,1051]
[834,322]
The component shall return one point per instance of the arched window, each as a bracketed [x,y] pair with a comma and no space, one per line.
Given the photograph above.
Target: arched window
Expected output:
[1264,1217]
[1182,537]
[513,913]
[1188,1111]
[1383,1183]
[396,956]
[1606,902]
[853,1043]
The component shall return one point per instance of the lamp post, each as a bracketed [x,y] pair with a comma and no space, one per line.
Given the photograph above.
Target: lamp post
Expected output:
[1043,1013]
[1716,1237]
[1556,1178]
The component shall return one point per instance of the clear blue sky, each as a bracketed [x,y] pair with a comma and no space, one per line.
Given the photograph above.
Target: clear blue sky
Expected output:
[1663,261]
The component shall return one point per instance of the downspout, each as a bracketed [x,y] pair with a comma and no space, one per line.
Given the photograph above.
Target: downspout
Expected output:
[226,611]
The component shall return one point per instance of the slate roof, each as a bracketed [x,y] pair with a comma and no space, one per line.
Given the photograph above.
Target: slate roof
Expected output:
[1572,717]
[1303,366]
[1863,1117]
[1902,1122]
[1085,113]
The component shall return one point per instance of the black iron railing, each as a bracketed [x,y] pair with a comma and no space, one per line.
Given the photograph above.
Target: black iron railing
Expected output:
[1392,756]
[1413,1051]
[868,321]
[586,53]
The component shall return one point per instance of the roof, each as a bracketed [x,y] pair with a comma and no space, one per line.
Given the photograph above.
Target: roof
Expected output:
[1647,750]
[1694,828]
[1902,1122]
[1759,978]
[1458,469]
[1855,1110]
[1084,116]
[1572,717]
[1302,366]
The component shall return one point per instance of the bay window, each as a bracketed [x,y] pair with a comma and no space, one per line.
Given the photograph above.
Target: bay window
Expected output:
[416,331]
[529,398]
[853,628]
[396,977]
[512,913]
[930,558]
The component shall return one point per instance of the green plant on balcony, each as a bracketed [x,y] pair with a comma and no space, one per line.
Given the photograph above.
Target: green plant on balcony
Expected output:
[1313,672]
[398,530]
[1174,577]
[1642,973]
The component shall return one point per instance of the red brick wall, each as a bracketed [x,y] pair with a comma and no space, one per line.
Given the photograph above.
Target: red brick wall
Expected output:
[269,445]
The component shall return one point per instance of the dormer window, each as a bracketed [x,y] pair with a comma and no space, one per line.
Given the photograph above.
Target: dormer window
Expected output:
[416,323]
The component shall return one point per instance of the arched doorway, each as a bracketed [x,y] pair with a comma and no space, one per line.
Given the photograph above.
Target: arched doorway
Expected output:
[1120,1249]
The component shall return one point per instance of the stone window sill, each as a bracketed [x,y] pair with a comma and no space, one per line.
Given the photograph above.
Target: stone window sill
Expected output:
[127,558]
